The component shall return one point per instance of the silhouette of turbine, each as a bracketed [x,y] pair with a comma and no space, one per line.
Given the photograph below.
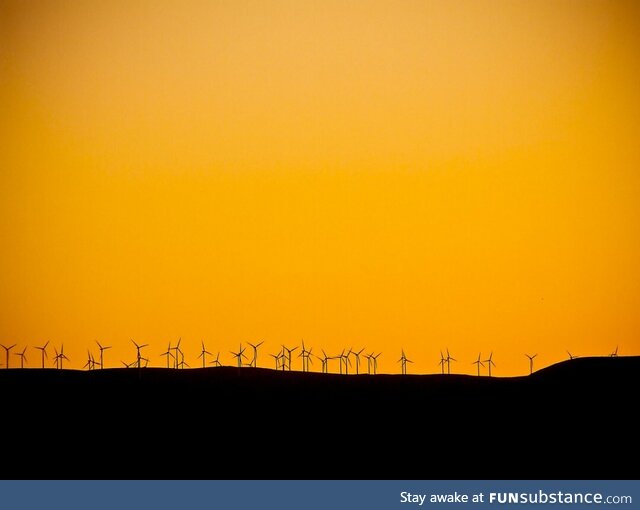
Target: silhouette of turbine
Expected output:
[176,358]
[357,356]
[325,362]
[344,358]
[61,357]
[102,349]
[375,363]
[369,358]
[449,359]
[305,355]
[403,362]
[23,358]
[571,356]
[216,362]
[442,361]
[168,354]
[239,355]
[7,349]
[614,354]
[182,363]
[478,363]
[56,358]
[277,357]
[43,349]
[91,363]
[287,357]
[531,362]
[138,347]
[203,354]
[254,361]
[489,362]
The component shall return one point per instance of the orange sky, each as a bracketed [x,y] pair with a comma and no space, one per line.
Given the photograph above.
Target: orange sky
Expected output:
[417,174]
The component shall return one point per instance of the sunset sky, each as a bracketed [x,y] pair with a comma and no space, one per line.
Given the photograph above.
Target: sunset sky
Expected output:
[382,173]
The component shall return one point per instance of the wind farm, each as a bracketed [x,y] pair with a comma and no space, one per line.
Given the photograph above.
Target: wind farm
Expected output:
[283,360]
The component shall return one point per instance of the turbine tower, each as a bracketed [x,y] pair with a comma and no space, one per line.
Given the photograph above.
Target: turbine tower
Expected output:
[357,356]
[278,357]
[478,363]
[442,362]
[7,349]
[138,357]
[403,362]
[43,349]
[203,355]
[56,358]
[449,359]
[176,358]
[531,362]
[168,354]
[375,363]
[369,362]
[287,358]
[305,355]
[254,361]
[91,363]
[216,362]
[325,362]
[23,358]
[239,355]
[489,362]
[344,358]
[102,349]
[61,357]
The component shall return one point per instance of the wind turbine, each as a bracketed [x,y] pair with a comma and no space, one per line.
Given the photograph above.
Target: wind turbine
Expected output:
[91,363]
[182,363]
[403,362]
[305,355]
[44,352]
[531,362]
[287,357]
[442,361]
[479,363]
[102,348]
[344,358]
[277,357]
[61,357]
[489,362]
[325,362]
[216,362]
[357,356]
[203,354]
[254,361]
[168,354]
[449,359]
[239,355]
[614,354]
[176,359]
[571,356]
[375,363]
[56,358]
[8,349]
[138,347]
[23,358]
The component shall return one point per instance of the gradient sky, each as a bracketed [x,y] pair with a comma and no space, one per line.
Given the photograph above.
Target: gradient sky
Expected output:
[388,174]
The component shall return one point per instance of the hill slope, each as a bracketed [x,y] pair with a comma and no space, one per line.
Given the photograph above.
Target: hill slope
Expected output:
[230,423]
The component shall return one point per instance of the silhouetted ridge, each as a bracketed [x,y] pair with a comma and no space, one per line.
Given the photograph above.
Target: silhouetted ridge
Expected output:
[211,423]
